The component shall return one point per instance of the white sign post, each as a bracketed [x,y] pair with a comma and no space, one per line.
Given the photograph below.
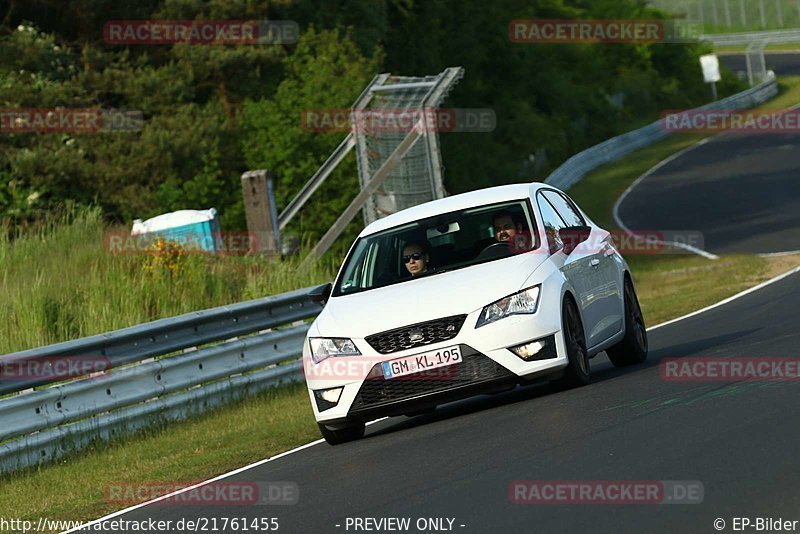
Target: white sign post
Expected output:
[710,65]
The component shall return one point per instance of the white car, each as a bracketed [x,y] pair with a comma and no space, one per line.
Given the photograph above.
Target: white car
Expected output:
[470,294]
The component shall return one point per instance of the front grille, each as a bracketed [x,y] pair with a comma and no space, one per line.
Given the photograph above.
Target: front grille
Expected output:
[416,335]
[475,368]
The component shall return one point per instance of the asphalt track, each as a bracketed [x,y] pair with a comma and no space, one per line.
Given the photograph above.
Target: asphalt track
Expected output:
[738,438]
[781,63]
[741,192]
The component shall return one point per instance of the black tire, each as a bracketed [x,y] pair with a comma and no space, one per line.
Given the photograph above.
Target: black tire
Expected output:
[578,372]
[633,347]
[342,435]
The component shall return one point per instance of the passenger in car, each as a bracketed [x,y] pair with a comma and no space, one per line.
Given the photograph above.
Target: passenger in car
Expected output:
[506,225]
[509,228]
[415,258]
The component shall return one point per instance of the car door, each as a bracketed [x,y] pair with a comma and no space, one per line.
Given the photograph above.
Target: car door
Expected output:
[575,266]
[601,292]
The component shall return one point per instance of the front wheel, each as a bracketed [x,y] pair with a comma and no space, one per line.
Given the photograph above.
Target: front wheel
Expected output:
[577,372]
[342,435]
[633,347]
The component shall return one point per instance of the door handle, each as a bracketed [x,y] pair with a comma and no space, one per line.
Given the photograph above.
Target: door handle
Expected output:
[594,263]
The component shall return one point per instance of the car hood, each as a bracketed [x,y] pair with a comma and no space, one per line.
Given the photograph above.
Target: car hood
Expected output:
[455,292]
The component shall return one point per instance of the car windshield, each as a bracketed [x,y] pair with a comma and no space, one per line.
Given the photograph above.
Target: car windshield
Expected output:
[442,243]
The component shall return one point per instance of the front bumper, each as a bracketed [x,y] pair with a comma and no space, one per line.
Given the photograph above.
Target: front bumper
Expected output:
[487,365]
[378,396]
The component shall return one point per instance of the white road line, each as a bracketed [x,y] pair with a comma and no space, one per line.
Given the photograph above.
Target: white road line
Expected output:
[118,513]
[317,442]
[660,164]
[775,254]
[624,227]
[729,299]
[793,52]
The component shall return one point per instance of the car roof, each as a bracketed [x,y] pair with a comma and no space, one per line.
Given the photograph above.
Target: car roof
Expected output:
[471,199]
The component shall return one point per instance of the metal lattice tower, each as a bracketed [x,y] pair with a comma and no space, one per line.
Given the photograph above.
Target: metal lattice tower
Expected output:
[398,167]
[417,178]
[756,63]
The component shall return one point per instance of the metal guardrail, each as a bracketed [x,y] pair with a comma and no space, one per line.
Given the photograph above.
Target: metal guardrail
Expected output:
[745,38]
[755,43]
[579,165]
[149,383]
[140,390]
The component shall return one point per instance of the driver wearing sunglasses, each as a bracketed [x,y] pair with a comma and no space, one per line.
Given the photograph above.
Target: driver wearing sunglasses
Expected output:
[415,259]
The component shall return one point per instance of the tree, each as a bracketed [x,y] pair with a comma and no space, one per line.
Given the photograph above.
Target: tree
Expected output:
[327,71]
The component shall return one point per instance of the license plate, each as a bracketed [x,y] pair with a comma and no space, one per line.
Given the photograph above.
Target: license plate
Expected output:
[421,362]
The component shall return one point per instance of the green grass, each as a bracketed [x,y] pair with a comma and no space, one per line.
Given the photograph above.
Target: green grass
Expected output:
[60,283]
[598,191]
[199,449]
[776,47]
[788,94]
[94,292]
[778,14]
[671,285]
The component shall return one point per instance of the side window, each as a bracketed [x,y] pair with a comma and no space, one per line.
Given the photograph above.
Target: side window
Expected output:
[552,222]
[353,275]
[368,276]
[564,208]
[384,262]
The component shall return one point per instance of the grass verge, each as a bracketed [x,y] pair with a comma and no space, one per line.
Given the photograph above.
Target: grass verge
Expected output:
[598,191]
[669,286]
[229,437]
[741,49]
[672,285]
[64,281]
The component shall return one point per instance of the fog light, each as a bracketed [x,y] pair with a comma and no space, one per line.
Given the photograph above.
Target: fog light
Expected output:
[541,349]
[327,398]
[331,395]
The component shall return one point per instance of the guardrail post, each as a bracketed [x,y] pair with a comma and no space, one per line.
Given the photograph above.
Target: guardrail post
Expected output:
[212,356]
[576,167]
[260,211]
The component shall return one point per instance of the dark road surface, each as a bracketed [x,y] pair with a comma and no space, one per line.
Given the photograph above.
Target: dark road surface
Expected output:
[742,192]
[740,439]
[781,63]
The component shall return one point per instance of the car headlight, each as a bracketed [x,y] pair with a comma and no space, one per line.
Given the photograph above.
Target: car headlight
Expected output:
[524,302]
[324,347]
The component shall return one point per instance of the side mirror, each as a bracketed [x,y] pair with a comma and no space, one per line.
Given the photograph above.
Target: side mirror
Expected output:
[321,294]
[574,236]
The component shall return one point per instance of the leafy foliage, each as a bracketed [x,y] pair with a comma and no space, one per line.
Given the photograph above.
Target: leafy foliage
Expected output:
[212,112]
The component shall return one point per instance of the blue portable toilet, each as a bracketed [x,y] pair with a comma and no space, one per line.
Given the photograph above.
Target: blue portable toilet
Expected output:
[195,230]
